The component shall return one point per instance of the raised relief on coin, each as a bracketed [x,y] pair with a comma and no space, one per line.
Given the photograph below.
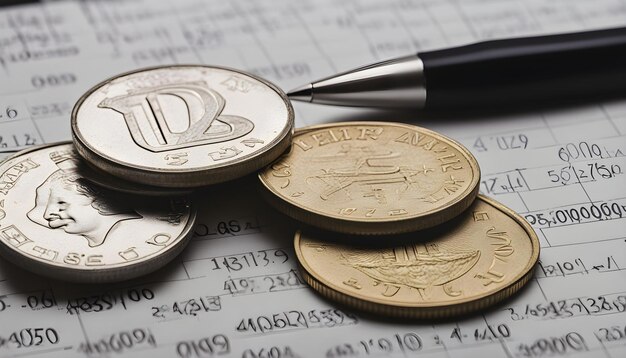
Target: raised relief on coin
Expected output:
[237,83]
[373,172]
[68,202]
[58,222]
[181,115]
[348,174]
[182,126]
[465,266]
[417,266]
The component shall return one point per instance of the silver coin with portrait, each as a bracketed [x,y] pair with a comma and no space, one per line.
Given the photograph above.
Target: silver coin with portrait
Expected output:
[57,222]
[182,126]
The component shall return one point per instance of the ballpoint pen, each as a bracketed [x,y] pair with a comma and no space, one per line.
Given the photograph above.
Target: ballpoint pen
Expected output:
[490,73]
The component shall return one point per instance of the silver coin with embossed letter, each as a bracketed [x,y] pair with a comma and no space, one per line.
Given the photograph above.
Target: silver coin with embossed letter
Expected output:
[182,126]
[57,223]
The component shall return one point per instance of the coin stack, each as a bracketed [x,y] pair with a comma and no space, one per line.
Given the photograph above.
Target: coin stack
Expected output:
[115,204]
[392,220]
[412,237]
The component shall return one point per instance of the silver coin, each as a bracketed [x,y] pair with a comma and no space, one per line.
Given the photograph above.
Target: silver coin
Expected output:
[56,223]
[182,126]
[103,179]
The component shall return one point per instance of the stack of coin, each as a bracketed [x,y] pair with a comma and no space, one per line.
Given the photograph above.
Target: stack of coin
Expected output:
[182,126]
[370,182]
[115,204]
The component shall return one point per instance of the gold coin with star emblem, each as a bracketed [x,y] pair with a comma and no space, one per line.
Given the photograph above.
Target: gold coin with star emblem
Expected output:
[479,258]
[372,178]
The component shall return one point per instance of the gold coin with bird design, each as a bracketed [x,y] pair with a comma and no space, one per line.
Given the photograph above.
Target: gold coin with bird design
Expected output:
[372,178]
[477,259]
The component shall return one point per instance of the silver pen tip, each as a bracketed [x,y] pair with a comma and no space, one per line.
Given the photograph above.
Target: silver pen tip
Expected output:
[302,93]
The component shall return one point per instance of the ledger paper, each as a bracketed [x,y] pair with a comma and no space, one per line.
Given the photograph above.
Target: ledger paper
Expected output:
[235,290]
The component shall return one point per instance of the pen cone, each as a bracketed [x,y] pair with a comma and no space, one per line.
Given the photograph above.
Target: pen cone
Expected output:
[302,93]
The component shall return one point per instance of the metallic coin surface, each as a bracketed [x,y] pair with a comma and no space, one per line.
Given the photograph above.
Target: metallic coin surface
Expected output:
[479,258]
[372,178]
[56,223]
[103,179]
[182,126]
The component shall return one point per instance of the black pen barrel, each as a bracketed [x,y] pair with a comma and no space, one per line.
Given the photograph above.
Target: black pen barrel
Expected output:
[527,70]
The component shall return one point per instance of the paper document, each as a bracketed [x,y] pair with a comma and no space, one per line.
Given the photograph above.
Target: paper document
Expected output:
[236,290]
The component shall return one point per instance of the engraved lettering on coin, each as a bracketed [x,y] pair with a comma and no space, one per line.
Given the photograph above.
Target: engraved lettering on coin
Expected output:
[9,177]
[66,201]
[14,236]
[153,125]
[236,83]
[176,158]
[503,249]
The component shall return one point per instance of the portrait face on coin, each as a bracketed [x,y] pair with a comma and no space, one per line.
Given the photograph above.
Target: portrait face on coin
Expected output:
[66,201]
[61,219]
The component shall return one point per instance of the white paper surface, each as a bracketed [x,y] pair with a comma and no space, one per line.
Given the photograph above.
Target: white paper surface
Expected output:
[561,169]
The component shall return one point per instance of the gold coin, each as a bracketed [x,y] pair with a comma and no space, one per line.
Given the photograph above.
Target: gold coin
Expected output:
[372,178]
[482,257]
